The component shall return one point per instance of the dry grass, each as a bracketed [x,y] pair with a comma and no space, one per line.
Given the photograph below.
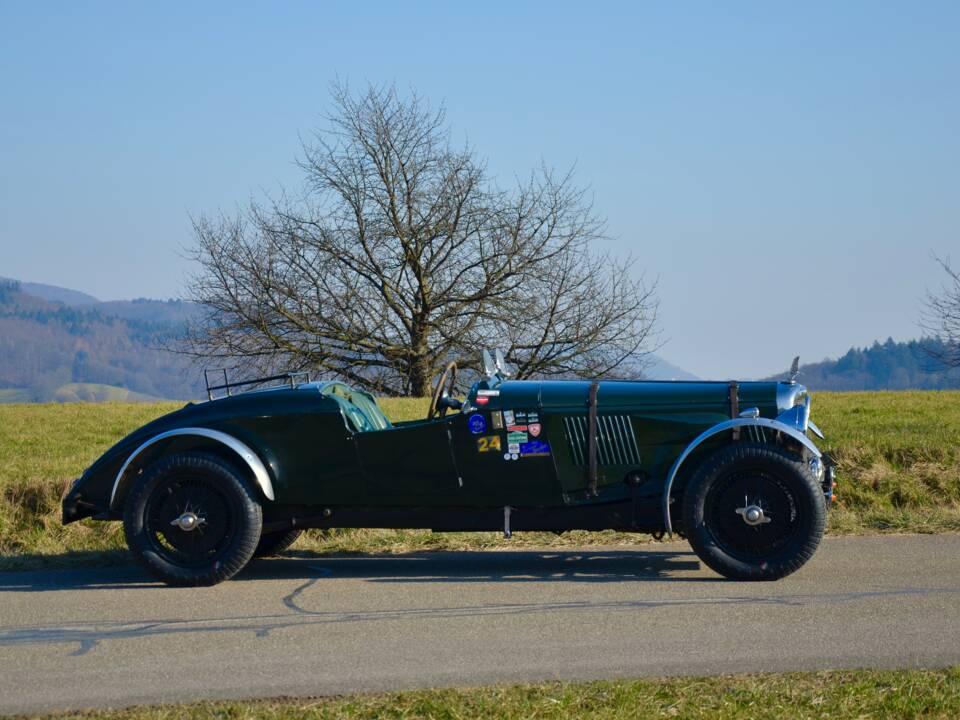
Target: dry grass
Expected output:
[898,455]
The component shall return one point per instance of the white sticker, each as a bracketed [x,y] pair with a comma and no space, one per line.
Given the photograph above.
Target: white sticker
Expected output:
[514,456]
[514,447]
[488,393]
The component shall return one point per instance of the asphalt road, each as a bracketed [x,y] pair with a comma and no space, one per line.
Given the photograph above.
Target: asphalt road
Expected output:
[111,637]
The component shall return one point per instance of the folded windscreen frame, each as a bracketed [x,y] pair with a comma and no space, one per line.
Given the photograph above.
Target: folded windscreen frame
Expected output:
[489,367]
[501,363]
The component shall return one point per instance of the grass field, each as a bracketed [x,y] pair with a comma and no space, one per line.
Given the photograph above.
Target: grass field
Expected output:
[796,696]
[898,456]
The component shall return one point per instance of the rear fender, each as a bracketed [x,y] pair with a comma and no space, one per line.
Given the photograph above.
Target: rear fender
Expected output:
[229,444]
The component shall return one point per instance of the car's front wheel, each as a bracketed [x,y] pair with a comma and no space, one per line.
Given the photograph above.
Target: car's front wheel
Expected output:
[754,512]
[192,519]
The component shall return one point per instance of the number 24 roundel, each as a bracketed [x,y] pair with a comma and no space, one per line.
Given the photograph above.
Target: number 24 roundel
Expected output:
[488,443]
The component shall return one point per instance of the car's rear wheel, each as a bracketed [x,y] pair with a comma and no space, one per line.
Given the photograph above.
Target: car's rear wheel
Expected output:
[275,543]
[754,512]
[192,519]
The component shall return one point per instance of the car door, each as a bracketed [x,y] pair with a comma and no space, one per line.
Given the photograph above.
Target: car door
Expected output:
[410,464]
[505,458]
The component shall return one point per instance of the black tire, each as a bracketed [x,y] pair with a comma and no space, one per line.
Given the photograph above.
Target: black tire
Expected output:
[276,542]
[718,501]
[227,520]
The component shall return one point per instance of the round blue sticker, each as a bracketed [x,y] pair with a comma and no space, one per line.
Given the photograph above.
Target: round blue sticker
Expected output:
[477,423]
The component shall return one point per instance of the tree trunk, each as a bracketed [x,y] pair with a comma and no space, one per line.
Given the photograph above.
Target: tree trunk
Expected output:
[420,377]
[420,371]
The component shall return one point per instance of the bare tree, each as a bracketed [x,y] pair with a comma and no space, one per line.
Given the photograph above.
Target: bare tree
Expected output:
[400,254]
[941,319]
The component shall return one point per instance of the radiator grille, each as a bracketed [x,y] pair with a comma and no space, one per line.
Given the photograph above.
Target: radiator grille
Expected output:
[616,443]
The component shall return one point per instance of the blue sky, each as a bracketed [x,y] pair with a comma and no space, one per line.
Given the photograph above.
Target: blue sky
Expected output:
[785,170]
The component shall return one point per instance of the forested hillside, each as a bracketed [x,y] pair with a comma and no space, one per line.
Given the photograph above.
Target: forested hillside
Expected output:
[883,366]
[47,348]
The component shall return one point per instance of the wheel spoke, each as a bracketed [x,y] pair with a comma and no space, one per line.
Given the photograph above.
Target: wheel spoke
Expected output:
[751,514]
[189,521]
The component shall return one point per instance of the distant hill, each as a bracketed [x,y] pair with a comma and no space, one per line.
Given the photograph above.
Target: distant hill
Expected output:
[15,395]
[52,293]
[164,312]
[63,345]
[660,369]
[58,344]
[93,392]
[882,366]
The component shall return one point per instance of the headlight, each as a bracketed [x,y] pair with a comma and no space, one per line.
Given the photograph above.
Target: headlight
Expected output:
[793,405]
[816,467]
[789,395]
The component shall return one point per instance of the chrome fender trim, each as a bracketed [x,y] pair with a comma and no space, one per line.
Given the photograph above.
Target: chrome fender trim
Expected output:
[719,428]
[256,466]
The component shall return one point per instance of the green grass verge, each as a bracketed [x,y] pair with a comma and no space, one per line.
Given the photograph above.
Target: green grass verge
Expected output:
[898,455]
[836,695]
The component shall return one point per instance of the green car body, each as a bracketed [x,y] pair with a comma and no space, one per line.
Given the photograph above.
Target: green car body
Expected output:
[520,455]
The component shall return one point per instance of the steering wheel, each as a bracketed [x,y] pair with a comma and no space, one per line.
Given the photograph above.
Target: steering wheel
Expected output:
[445,385]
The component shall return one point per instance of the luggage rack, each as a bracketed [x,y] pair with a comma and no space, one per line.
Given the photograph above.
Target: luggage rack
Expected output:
[286,378]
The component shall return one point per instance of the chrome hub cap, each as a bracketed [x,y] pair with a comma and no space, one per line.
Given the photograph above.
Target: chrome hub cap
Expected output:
[752,514]
[188,521]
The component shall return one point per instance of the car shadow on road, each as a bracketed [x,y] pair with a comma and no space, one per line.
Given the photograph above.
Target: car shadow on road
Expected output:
[80,569]
[567,565]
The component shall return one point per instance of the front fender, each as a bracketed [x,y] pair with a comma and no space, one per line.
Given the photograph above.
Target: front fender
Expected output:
[710,432]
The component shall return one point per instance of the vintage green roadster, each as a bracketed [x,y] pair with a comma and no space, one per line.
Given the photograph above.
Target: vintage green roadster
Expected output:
[728,465]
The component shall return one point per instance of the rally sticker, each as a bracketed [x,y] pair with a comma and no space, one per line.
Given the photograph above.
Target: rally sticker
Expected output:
[488,393]
[535,448]
[488,443]
[477,423]
[508,417]
[517,437]
[496,420]
[516,428]
[514,448]
[534,429]
[482,400]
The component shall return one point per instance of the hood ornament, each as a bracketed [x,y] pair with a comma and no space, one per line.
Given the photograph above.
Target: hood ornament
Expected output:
[794,370]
